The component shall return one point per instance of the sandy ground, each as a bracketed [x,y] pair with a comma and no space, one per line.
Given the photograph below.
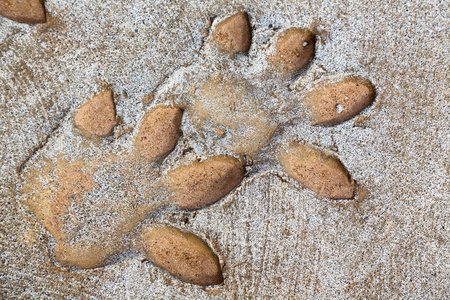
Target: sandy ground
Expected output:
[275,238]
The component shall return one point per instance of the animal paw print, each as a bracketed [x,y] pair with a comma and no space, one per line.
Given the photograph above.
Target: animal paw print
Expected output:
[101,186]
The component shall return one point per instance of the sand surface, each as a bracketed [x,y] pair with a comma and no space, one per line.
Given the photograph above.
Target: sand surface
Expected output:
[274,238]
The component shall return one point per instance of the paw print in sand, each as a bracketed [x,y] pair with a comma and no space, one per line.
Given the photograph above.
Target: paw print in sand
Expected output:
[100,189]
